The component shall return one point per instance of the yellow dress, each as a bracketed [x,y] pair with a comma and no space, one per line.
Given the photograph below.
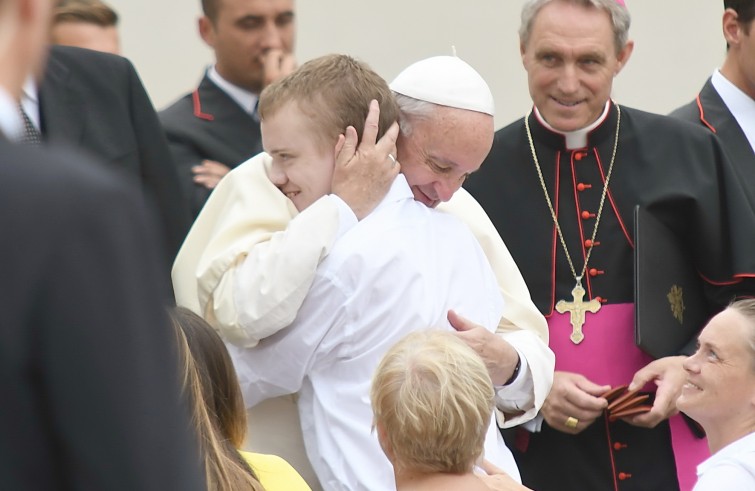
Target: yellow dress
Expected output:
[274,473]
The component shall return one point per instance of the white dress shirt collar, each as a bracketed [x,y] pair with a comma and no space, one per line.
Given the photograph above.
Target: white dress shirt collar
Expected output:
[741,106]
[11,124]
[30,101]
[399,191]
[578,138]
[243,97]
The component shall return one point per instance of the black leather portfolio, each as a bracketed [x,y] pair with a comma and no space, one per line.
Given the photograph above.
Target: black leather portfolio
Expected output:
[669,305]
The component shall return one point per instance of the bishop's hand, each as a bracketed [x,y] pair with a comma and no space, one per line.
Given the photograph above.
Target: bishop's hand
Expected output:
[573,403]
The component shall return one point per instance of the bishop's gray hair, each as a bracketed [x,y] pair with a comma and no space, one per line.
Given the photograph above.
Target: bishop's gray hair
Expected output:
[620,17]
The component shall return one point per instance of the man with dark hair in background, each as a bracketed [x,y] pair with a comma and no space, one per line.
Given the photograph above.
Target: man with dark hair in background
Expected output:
[726,103]
[214,128]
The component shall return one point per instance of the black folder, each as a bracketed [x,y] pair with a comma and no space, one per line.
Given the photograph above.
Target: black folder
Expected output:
[669,304]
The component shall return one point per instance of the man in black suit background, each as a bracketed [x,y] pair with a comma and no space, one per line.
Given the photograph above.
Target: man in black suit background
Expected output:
[726,103]
[214,128]
[88,369]
[95,103]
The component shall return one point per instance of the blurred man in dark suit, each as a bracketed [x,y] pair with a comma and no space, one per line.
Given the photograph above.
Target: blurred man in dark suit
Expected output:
[95,103]
[88,372]
[214,128]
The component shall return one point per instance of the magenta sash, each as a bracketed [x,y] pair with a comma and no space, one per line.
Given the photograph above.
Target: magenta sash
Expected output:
[609,356]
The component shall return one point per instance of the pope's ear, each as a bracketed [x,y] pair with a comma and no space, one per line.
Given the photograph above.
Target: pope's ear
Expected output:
[623,56]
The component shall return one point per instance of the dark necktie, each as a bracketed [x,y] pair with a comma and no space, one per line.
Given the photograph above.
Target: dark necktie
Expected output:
[32,136]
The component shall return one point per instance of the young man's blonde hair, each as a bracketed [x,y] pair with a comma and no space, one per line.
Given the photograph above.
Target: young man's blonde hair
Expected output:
[433,398]
[333,92]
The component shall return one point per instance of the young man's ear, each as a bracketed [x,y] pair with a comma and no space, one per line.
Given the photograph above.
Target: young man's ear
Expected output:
[731,27]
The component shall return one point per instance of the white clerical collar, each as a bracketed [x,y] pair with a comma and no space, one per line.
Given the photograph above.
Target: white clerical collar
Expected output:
[243,97]
[578,138]
[741,106]
[11,124]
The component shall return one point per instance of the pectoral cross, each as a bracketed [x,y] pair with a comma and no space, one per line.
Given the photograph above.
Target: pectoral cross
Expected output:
[577,310]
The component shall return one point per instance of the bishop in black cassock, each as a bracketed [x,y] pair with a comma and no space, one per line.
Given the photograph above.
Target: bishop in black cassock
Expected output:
[681,175]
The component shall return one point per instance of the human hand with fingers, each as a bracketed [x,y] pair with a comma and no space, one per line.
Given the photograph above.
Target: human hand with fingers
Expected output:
[573,403]
[496,479]
[669,376]
[499,356]
[364,172]
[276,64]
[209,173]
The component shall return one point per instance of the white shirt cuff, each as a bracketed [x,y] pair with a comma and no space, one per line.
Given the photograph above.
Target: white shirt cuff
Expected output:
[519,395]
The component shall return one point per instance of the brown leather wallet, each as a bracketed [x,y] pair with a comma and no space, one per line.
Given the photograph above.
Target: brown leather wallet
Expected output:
[623,403]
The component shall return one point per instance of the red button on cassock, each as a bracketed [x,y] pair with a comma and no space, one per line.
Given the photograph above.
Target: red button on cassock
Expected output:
[589,243]
[582,186]
[595,272]
[587,215]
[623,476]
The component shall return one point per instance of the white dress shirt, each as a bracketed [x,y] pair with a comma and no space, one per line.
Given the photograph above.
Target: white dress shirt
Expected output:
[30,102]
[398,270]
[741,106]
[730,469]
[11,124]
[244,98]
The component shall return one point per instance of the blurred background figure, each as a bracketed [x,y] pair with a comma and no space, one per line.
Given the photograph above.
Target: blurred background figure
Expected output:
[720,395]
[219,414]
[216,127]
[88,373]
[90,24]
[433,398]
[726,103]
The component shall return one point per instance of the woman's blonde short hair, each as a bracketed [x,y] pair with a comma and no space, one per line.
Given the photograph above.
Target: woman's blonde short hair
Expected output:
[433,398]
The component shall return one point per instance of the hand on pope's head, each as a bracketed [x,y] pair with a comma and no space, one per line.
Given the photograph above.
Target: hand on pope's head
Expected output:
[573,397]
[364,172]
